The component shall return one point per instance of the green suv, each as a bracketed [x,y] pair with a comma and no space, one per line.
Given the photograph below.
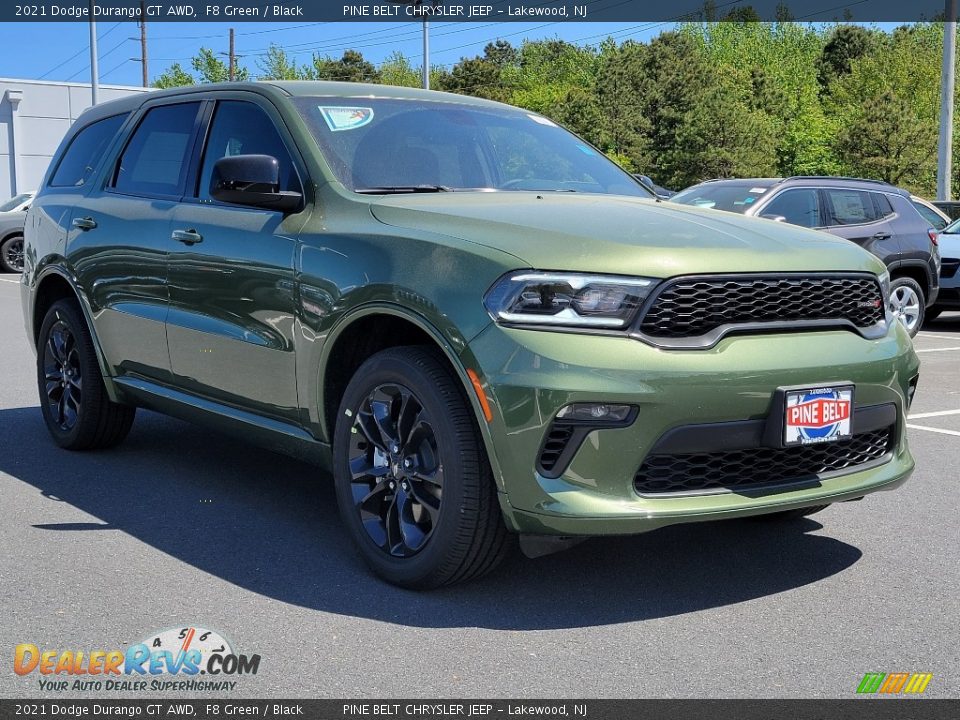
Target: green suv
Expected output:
[484,328]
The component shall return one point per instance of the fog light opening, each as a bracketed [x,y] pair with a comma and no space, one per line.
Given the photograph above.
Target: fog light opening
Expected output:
[595,413]
[912,390]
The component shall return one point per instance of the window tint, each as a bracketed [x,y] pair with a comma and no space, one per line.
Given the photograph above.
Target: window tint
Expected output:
[884,206]
[797,207]
[930,216]
[850,207]
[84,153]
[155,160]
[242,128]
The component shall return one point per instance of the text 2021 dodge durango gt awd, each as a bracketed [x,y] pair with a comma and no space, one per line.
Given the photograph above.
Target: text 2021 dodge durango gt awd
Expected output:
[483,327]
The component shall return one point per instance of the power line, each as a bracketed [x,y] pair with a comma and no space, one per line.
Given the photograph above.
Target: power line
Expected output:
[78,53]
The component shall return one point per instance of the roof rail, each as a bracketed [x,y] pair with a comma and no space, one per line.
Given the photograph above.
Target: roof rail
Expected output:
[837,177]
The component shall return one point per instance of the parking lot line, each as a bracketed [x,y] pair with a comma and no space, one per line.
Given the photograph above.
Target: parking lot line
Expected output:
[957,347]
[10,280]
[933,429]
[937,336]
[938,413]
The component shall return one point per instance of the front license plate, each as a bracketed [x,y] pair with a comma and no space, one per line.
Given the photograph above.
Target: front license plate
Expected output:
[818,415]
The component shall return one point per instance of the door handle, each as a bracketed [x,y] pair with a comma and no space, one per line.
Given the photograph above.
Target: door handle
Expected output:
[187,237]
[85,223]
[881,236]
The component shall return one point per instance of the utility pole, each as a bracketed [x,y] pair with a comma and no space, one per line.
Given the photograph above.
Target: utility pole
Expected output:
[233,56]
[143,43]
[426,54]
[94,70]
[945,159]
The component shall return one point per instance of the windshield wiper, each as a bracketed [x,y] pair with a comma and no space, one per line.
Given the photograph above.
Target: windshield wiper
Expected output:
[399,189]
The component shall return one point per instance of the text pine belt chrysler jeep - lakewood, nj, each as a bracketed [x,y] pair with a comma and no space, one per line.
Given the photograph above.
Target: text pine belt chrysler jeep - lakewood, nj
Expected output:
[483,327]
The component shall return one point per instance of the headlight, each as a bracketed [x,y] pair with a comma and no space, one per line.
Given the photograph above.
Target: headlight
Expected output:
[567,299]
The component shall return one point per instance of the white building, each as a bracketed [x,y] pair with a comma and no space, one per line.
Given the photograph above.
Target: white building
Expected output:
[34,117]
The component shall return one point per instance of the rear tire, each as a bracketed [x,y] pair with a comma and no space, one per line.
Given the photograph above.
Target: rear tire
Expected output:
[413,483]
[73,399]
[11,254]
[908,303]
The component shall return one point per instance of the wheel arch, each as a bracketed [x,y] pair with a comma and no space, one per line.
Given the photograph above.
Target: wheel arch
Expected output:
[53,284]
[365,331]
[915,270]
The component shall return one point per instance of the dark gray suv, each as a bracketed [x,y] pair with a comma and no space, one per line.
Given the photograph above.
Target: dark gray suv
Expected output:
[875,215]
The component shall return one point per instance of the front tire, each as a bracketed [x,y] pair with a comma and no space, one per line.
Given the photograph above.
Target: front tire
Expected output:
[908,303]
[414,487]
[11,254]
[73,399]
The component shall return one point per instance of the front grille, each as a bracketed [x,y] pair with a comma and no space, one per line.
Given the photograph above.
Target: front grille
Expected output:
[693,307]
[949,267]
[554,445]
[757,467]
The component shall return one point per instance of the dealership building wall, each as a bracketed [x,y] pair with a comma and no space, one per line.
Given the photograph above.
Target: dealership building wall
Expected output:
[34,117]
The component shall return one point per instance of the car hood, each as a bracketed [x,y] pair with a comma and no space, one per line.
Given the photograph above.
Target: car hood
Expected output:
[623,235]
[12,220]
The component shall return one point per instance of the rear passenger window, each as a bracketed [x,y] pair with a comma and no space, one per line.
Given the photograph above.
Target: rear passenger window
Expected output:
[155,161]
[850,207]
[884,207]
[242,128]
[84,153]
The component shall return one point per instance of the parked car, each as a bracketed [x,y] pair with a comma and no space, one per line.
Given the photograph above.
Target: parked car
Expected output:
[949,297]
[12,215]
[480,324]
[937,218]
[879,217]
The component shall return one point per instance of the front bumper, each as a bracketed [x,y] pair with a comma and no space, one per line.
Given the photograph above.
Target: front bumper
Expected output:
[529,375]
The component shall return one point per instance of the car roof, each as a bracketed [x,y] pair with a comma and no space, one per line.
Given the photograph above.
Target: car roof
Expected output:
[290,88]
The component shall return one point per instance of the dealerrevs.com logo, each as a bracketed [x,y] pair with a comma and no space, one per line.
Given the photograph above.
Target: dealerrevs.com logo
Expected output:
[169,660]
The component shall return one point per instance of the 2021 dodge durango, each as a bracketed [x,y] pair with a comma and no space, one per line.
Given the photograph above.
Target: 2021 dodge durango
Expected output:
[484,328]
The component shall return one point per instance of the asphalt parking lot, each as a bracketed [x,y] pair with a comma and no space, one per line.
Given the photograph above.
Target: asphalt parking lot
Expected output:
[180,526]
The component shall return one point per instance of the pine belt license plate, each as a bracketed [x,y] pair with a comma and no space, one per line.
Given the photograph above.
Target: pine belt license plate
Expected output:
[818,415]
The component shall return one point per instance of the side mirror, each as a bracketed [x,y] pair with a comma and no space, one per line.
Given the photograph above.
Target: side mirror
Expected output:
[775,218]
[644,180]
[252,180]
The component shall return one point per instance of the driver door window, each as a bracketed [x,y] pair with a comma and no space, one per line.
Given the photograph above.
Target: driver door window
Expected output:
[242,128]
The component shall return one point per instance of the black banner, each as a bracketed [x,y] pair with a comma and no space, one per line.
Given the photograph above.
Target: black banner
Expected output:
[545,11]
[865,709]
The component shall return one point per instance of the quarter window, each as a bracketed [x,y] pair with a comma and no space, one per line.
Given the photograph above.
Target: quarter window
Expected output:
[242,128]
[937,222]
[797,207]
[83,154]
[850,207]
[155,160]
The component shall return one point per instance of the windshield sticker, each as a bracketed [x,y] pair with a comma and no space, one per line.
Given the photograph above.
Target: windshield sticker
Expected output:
[542,120]
[586,149]
[346,118]
[758,190]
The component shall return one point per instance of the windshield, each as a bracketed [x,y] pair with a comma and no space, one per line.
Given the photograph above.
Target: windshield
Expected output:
[385,145]
[733,197]
[952,229]
[14,202]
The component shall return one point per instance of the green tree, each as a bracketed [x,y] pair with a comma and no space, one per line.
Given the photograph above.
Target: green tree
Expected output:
[277,65]
[212,69]
[397,70]
[351,67]
[174,76]
[845,44]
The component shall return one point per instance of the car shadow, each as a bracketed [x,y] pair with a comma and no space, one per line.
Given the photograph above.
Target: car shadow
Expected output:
[269,524]
[947,322]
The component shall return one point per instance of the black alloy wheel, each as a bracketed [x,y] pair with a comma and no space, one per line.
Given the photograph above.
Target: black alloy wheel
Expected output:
[63,376]
[395,469]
